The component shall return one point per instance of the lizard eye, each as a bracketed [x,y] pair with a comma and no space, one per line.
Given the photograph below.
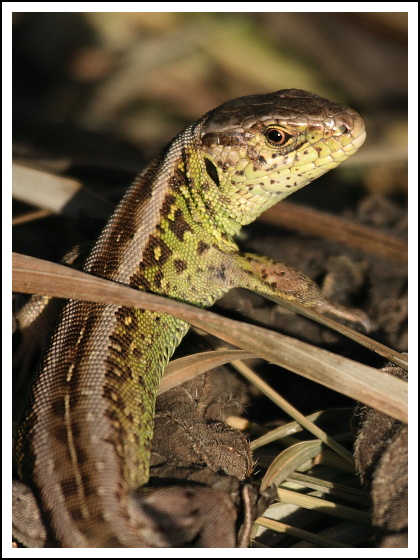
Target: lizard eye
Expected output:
[277,136]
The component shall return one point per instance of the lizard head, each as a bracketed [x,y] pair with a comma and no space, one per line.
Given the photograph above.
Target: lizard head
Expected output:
[260,148]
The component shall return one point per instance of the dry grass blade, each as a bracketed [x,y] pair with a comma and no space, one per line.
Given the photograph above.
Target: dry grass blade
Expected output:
[331,459]
[297,506]
[57,194]
[317,540]
[289,460]
[321,224]
[294,427]
[184,369]
[30,217]
[333,488]
[396,357]
[292,411]
[324,506]
[368,385]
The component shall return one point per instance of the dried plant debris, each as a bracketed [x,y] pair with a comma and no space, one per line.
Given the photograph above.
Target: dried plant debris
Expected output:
[381,454]
[190,425]
[194,447]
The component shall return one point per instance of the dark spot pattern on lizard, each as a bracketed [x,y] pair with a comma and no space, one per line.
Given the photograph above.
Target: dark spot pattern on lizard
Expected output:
[58,408]
[60,434]
[177,179]
[76,513]
[137,353]
[180,265]
[127,317]
[140,281]
[218,272]
[202,248]
[69,486]
[115,370]
[116,399]
[155,252]
[167,205]
[179,226]
[157,280]
[120,342]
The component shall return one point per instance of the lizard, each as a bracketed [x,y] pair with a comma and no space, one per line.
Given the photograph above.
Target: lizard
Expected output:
[83,445]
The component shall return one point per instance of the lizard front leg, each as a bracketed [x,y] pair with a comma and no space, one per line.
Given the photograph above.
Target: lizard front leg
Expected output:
[283,282]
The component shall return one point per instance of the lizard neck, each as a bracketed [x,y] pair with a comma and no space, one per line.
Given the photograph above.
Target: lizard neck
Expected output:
[172,197]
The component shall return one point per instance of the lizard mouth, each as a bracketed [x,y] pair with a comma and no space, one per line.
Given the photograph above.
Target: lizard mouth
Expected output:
[337,156]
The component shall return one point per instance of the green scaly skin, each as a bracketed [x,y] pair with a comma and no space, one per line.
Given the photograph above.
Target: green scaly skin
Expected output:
[84,443]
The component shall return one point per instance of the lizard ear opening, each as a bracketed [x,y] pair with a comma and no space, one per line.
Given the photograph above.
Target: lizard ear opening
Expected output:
[212,171]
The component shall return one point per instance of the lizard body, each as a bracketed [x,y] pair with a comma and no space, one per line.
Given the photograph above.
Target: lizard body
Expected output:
[84,442]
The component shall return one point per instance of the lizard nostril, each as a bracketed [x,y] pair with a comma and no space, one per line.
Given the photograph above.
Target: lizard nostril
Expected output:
[344,129]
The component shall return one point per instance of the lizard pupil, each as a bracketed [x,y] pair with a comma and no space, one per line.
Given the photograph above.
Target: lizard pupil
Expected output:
[212,171]
[276,136]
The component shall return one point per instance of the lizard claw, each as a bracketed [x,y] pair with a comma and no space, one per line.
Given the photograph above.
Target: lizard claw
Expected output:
[355,316]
